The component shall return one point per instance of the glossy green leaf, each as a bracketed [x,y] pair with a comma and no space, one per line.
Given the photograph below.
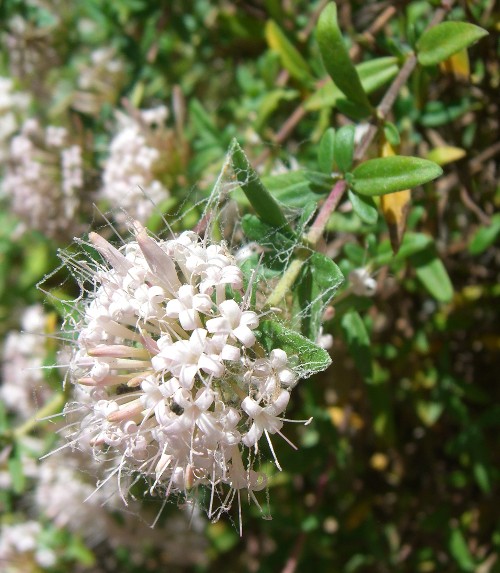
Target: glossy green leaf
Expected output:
[388,174]
[373,75]
[358,342]
[432,274]
[309,356]
[319,280]
[265,205]
[344,147]
[442,41]
[364,207]
[336,58]
[325,151]
[291,59]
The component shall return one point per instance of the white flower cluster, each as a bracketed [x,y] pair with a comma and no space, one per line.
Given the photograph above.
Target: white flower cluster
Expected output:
[180,387]
[99,81]
[131,178]
[24,388]
[43,178]
[30,49]
[12,105]
[66,495]
[20,550]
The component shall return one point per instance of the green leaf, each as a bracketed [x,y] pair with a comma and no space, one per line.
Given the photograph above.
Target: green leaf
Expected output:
[270,102]
[343,149]
[373,75]
[442,41]
[320,182]
[388,174]
[358,341]
[460,551]
[391,133]
[481,476]
[364,207]
[293,189]
[432,274]
[429,412]
[484,237]
[265,205]
[336,58]
[412,243]
[325,151]
[15,465]
[265,235]
[291,59]
[309,356]
[320,278]
[204,126]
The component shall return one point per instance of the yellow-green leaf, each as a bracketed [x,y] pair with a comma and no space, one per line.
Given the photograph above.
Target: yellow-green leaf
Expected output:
[445,154]
[291,59]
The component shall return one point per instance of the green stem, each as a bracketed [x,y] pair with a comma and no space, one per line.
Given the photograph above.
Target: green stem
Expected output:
[53,406]
[311,239]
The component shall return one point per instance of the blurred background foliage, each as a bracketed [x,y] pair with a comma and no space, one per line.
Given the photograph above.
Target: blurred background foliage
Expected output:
[399,470]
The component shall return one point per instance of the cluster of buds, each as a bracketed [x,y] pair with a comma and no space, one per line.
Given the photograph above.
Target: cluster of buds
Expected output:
[179,387]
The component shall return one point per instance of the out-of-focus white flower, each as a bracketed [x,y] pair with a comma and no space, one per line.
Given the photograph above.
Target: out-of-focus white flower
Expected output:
[20,550]
[179,388]
[362,284]
[132,178]
[13,105]
[66,494]
[99,81]
[24,388]
[44,178]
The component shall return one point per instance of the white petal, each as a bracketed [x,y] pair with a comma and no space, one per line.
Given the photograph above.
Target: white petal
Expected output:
[245,335]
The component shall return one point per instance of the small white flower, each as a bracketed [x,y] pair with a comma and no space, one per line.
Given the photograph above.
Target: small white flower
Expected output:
[234,322]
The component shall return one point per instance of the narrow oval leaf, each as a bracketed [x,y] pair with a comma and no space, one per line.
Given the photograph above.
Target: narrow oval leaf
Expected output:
[325,151]
[265,205]
[444,40]
[388,174]
[373,75]
[364,207]
[344,147]
[336,58]
[432,274]
[291,59]
[484,237]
